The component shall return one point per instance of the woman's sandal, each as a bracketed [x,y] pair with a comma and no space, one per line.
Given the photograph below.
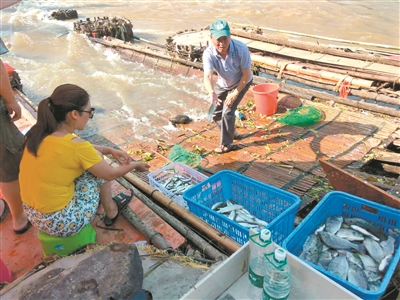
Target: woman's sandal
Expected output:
[225,149]
[122,200]
[4,215]
[23,230]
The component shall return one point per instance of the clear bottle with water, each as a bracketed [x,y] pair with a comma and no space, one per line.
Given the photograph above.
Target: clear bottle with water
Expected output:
[278,278]
[259,244]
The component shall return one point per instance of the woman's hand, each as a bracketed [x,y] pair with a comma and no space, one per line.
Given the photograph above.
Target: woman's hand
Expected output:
[121,156]
[141,166]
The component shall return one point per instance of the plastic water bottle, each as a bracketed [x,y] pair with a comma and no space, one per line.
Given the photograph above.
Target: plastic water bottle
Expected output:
[277,279]
[259,244]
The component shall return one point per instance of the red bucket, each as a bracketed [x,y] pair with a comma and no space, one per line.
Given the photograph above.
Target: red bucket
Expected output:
[266,98]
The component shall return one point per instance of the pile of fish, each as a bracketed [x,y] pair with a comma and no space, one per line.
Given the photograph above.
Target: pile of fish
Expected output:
[176,184]
[354,249]
[238,214]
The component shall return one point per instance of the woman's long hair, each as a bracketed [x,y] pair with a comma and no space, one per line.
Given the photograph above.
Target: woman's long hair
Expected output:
[52,111]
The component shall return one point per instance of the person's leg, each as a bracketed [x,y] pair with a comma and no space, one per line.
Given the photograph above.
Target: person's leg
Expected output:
[10,191]
[221,94]
[228,119]
[2,207]
[109,205]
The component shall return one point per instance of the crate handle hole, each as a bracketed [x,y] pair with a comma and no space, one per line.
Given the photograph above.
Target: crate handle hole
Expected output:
[369,209]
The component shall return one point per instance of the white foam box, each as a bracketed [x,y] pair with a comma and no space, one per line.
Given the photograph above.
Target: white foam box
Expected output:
[230,281]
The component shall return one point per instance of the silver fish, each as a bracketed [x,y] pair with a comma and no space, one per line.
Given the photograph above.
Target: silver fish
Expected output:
[357,276]
[338,243]
[368,226]
[218,205]
[229,208]
[333,252]
[369,263]
[311,249]
[365,232]
[374,249]
[324,259]
[388,246]
[311,242]
[333,224]
[339,266]
[211,111]
[320,228]
[311,256]
[355,259]
[372,276]
[385,263]
[350,234]
[373,286]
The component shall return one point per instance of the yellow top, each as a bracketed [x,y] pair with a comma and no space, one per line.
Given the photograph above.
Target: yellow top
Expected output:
[47,181]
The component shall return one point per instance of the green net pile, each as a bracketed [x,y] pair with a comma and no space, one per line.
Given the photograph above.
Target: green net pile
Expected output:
[302,116]
[180,154]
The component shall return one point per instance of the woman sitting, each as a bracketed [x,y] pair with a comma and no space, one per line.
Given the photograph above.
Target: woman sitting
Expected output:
[62,176]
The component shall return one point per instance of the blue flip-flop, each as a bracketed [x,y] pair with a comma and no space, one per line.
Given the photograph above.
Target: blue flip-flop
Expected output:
[122,200]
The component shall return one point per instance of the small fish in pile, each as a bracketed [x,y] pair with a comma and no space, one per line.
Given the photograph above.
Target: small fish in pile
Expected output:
[353,249]
[238,214]
[175,183]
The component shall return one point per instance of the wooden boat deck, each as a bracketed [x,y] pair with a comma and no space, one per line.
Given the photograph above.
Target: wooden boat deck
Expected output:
[281,155]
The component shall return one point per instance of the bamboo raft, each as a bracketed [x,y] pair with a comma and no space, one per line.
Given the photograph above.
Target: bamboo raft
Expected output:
[366,78]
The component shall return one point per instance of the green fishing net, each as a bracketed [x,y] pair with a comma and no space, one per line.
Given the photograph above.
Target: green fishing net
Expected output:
[302,116]
[180,154]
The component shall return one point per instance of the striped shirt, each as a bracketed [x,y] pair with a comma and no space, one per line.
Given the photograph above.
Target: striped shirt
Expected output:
[229,70]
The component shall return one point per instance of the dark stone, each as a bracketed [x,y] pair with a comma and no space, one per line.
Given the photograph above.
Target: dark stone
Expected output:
[180,119]
[114,272]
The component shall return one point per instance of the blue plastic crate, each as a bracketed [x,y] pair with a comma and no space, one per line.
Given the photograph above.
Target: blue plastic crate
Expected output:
[348,206]
[270,204]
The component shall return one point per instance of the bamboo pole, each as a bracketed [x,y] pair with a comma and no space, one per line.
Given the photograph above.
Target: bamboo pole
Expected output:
[152,235]
[314,47]
[290,66]
[215,235]
[320,37]
[360,73]
[121,44]
[184,230]
[364,94]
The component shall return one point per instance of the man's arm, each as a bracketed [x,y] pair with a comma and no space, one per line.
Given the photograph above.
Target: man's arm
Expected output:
[246,75]
[209,85]
[7,93]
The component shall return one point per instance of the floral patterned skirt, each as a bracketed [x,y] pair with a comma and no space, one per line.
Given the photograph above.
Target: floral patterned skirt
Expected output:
[79,212]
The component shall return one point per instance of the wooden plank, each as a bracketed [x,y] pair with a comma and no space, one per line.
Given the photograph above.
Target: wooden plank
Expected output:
[391,169]
[390,157]
[346,182]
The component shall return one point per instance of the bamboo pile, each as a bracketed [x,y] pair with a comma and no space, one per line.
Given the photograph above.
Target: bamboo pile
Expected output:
[103,27]
[365,74]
